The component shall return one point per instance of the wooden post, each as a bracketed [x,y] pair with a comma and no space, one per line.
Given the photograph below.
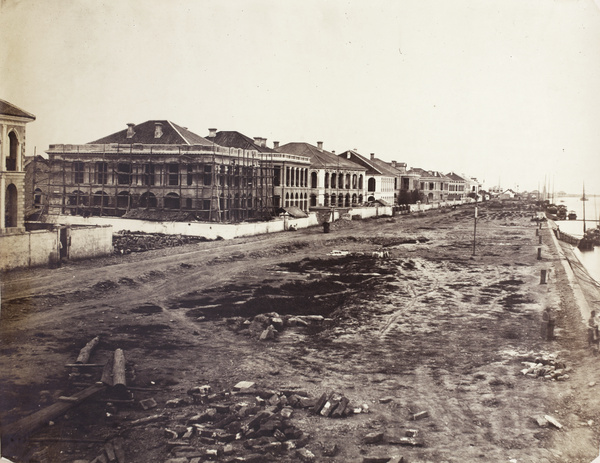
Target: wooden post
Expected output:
[543,277]
[537,232]
[119,382]
[539,255]
[540,239]
[84,354]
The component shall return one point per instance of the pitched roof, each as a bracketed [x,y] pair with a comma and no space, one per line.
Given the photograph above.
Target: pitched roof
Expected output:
[8,109]
[456,177]
[172,134]
[353,156]
[318,158]
[233,139]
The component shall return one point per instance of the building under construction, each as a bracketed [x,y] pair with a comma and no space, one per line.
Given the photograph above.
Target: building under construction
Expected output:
[156,171]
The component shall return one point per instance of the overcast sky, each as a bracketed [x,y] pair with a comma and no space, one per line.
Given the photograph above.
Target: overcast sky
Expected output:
[504,90]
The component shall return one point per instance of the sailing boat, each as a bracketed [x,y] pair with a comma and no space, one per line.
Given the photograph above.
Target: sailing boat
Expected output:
[587,242]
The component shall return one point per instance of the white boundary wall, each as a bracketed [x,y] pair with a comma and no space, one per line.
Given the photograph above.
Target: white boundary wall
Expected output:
[210,231]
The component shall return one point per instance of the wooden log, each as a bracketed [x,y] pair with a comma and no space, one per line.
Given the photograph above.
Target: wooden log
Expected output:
[86,351]
[30,423]
[119,382]
[85,365]
[119,452]
[108,372]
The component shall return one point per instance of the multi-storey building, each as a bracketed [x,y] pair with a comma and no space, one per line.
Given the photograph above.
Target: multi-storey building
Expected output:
[157,170]
[381,179]
[333,180]
[290,171]
[457,186]
[12,166]
[433,185]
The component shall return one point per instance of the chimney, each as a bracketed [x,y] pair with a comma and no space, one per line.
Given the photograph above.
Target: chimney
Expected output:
[394,164]
[130,132]
[158,132]
[320,145]
[263,142]
[332,151]
[257,141]
[212,133]
[275,145]
[372,156]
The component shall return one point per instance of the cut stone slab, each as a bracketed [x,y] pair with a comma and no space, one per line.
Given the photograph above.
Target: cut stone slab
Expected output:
[147,404]
[243,385]
[386,400]
[305,455]
[420,415]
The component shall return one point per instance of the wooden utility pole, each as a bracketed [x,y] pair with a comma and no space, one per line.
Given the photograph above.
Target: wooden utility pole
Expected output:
[475,227]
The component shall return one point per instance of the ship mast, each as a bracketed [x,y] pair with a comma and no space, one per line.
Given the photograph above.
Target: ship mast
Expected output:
[583,200]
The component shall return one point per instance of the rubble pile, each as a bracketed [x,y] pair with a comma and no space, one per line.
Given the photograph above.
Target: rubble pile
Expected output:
[250,422]
[126,242]
[546,367]
[266,327]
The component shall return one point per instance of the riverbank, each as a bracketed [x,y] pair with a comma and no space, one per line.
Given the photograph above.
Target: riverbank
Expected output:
[414,324]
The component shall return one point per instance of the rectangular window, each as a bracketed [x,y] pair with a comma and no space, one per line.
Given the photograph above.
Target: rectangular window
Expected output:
[277,176]
[148,176]
[101,173]
[78,172]
[124,173]
[173,174]
[190,175]
[207,175]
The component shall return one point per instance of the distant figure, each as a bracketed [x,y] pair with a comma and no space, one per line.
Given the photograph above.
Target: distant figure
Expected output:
[548,325]
[593,331]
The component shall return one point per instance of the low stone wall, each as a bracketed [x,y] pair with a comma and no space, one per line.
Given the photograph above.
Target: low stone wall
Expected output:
[88,242]
[41,247]
[28,249]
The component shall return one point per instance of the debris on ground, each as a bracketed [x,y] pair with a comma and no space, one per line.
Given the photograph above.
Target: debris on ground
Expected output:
[126,242]
[546,367]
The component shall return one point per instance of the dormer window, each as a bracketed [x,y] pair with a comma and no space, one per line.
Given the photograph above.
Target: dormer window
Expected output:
[158,131]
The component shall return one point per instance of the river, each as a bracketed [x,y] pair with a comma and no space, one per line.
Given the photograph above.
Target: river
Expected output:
[590,259]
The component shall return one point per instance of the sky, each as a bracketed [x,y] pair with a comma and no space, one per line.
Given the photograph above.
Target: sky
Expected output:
[502,90]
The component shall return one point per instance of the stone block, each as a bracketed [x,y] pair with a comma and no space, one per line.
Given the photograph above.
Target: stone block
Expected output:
[330,449]
[340,410]
[305,455]
[307,402]
[320,403]
[420,415]
[148,404]
[386,400]
[373,437]
[286,412]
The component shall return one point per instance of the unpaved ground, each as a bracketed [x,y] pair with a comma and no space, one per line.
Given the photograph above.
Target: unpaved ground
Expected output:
[431,327]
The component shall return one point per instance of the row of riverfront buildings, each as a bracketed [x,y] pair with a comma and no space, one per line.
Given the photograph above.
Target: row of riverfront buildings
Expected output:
[158,170]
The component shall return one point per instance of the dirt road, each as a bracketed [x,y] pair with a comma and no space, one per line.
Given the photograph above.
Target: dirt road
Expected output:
[410,321]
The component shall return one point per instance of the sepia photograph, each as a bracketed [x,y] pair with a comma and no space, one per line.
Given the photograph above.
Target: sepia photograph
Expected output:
[337,231]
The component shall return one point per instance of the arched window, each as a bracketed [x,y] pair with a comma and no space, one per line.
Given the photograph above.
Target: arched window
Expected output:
[325,200]
[123,200]
[313,180]
[172,201]
[354,199]
[13,152]
[148,200]
[340,180]
[313,200]
[333,200]
[333,180]
[347,181]
[326,179]
[100,198]
[341,201]
[371,184]
[360,182]
[287,200]
[37,197]
[347,200]
[354,181]
[296,203]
